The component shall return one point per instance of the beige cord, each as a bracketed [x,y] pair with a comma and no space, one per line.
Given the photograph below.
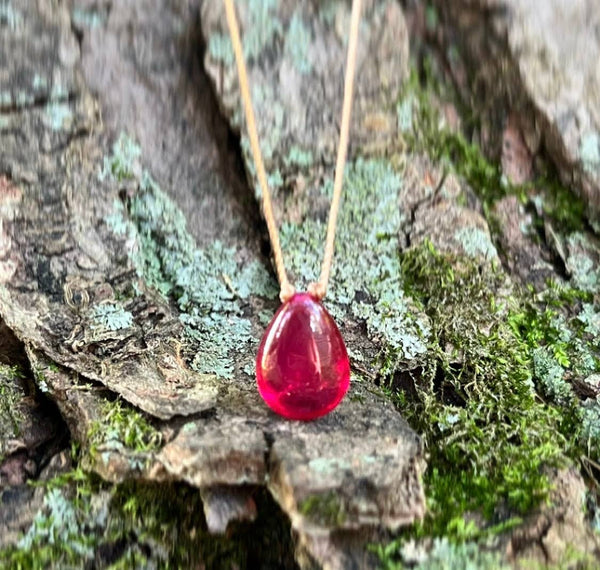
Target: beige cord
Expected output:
[287,289]
[319,288]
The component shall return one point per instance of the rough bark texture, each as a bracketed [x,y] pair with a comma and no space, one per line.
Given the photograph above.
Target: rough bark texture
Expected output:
[547,55]
[134,263]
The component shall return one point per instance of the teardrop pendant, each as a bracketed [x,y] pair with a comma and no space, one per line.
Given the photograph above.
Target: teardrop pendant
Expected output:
[302,367]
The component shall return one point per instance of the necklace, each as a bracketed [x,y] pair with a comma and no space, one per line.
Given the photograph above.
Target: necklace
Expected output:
[302,366]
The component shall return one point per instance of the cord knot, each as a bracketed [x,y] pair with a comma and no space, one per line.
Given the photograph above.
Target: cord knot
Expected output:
[317,290]
[287,292]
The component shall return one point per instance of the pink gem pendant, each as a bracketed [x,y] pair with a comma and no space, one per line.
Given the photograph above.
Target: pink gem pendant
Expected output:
[302,366]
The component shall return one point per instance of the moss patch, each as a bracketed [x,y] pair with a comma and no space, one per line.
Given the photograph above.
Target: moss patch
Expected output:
[87,523]
[425,131]
[121,427]
[488,433]
[326,509]
[497,399]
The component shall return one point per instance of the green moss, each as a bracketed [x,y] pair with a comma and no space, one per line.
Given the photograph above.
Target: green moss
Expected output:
[41,381]
[453,151]
[326,509]
[85,522]
[488,433]
[122,427]
[297,42]
[558,327]
[495,398]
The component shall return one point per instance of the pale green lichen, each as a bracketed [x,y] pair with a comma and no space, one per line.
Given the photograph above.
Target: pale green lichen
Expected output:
[404,113]
[208,285]
[366,260]
[58,116]
[10,16]
[297,43]
[24,99]
[583,271]
[87,18]
[297,157]
[270,112]
[39,82]
[589,152]
[551,375]
[273,114]
[59,92]
[590,317]
[262,27]
[585,274]
[59,525]
[111,317]
[431,17]
[123,163]
[327,11]
[220,48]
[442,555]
[590,426]
[476,243]
[6,98]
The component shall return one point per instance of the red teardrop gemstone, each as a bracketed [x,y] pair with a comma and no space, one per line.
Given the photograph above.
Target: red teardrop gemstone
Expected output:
[302,367]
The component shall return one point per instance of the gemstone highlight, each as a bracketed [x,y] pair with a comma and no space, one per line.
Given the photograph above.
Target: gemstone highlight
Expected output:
[302,367]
